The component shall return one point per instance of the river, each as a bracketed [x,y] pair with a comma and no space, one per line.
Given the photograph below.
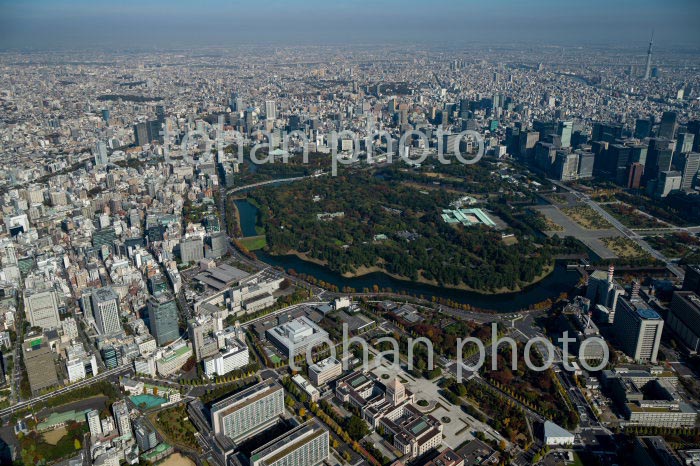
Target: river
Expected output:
[561,280]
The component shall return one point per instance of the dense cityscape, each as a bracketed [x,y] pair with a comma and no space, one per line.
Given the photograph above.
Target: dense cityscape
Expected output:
[279,255]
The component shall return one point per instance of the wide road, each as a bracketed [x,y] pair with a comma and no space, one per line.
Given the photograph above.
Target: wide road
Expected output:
[628,233]
[69,388]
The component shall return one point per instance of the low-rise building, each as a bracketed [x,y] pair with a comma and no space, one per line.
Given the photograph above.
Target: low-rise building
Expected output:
[309,389]
[173,359]
[555,435]
[325,371]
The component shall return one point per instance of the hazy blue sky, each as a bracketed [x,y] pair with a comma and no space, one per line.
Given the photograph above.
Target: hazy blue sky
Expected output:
[166,23]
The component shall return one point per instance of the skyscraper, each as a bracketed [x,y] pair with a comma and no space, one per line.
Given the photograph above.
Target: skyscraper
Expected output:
[270,110]
[565,130]
[647,68]
[162,318]
[101,157]
[669,180]
[233,102]
[639,331]
[693,127]
[141,134]
[642,128]
[667,127]
[659,158]
[105,308]
[684,143]
[689,165]
[566,166]
[634,180]
[684,318]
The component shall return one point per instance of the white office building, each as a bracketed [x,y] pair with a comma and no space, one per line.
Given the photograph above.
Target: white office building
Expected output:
[105,308]
[295,336]
[638,330]
[93,420]
[121,417]
[325,371]
[234,356]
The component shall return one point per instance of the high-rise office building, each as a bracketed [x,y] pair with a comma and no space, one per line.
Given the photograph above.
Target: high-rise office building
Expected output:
[689,164]
[121,416]
[654,451]
[565,130]
[235,102]
[163,318]
[616,162]
[545,128]
[638,154]
[270,110]
[105,308]
[191,249]
[141,134]
[684,143]
[668,181]
[527,142]
[93,420]
[41,305]
[249,412]
[693,127]
[585,164]
[146,437]
[39,364]
[684,318]
[638,329]
[667,127]
[659,158]
[101,158]
[607,132]
[642,128]
[636,171]
[691,282]
[201,332]
[566,166]
[305,445]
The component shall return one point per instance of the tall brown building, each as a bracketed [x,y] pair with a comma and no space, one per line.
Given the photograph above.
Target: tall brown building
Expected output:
[634,180]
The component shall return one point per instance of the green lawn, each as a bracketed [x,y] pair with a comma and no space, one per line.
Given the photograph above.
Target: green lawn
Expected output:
[253,243]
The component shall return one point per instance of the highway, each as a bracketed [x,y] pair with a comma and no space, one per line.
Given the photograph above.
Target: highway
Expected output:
[268,182]
[83,383]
